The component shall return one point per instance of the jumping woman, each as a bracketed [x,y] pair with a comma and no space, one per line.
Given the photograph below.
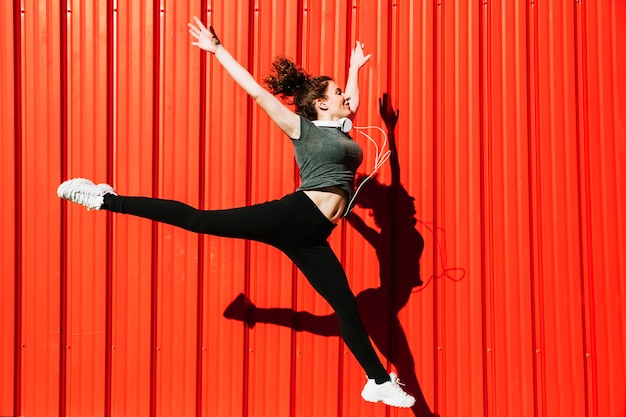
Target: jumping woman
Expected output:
[300,223]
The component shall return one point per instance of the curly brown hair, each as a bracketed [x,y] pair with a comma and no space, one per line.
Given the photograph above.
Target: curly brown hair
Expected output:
[291,82]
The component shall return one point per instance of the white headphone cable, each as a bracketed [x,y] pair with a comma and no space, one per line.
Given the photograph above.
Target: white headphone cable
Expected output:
[382,156]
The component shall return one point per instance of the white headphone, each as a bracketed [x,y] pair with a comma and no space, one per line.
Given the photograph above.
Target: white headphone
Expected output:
[344,124]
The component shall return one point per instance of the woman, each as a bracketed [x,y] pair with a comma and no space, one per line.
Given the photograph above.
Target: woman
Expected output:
[299,223]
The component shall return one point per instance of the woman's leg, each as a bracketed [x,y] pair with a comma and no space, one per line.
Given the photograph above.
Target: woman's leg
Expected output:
[325,273]
[267,222]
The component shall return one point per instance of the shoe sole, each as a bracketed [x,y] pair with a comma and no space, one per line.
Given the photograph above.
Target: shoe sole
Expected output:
[390,405]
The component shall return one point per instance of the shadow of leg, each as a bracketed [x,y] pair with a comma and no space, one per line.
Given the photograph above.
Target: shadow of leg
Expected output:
[242,309]
[401,357]
[398,352]
[388,336]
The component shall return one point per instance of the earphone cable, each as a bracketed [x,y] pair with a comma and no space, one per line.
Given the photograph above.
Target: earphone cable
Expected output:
[381,157]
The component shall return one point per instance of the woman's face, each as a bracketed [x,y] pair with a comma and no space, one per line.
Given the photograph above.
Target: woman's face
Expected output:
[337,102]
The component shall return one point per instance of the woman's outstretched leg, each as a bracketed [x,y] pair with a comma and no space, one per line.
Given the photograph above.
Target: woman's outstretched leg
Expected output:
[268,222]
[264,222]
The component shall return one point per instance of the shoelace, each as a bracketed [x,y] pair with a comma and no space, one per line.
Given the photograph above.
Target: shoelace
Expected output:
[88,200]
[395,382]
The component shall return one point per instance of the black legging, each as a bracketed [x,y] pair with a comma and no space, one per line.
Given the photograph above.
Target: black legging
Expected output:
[292,224]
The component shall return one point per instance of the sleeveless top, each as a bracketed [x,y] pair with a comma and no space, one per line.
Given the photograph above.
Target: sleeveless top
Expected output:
[326,157]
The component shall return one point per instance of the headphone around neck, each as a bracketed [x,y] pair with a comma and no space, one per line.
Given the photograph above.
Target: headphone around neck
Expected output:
[344,124]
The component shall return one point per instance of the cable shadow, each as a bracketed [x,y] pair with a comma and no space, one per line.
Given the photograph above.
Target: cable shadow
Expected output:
[398,246]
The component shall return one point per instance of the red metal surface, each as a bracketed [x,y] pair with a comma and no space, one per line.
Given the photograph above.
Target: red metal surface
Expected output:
[133,375]
[10,344]
[504,196]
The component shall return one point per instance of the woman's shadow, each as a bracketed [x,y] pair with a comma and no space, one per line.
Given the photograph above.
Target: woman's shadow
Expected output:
[398,246]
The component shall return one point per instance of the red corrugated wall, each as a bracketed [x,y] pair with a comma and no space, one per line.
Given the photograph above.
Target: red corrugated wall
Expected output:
[505,195]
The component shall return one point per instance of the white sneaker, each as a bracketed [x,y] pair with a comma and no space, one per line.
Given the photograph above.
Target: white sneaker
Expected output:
[84,192]
[389,393]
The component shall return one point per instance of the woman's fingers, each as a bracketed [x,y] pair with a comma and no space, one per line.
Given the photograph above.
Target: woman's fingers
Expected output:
[200,24]
[193,31]
[204,38]
[198,29]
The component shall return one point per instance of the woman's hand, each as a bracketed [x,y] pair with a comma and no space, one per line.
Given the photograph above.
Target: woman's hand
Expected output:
[207,39]
[358,58]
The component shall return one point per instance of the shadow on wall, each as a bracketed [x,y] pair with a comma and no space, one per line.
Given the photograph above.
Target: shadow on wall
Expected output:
[398,246]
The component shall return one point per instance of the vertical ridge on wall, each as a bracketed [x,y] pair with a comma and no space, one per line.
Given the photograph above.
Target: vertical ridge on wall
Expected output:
[248,341]
[438,62]
[63,115]
[386,88]
[351,28]
[202,155]
[17,175]
[111,71]
[301,26]
[487,212]
[10,224]
[586,250]
[155,277]
[534,220]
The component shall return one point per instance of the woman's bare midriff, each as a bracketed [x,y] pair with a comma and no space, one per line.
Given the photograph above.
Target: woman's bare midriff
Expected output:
[331,201]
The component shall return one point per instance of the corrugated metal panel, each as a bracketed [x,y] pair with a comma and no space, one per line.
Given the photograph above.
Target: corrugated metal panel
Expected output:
[504,196]
[44,281]
[554,214]
[508,351]
[411,84]
[325,26]
[84,74]
[270,282]
[601,156]
[456,156]
[10,284]
[134,275]
[177,251]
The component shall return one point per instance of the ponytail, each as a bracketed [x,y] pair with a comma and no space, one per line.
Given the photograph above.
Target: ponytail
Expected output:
[291,82]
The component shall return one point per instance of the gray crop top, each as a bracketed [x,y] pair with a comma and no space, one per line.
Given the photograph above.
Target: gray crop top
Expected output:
[326,157]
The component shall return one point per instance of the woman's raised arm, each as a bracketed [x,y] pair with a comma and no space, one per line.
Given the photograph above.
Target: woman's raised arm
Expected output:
[357,60]
[280,114]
